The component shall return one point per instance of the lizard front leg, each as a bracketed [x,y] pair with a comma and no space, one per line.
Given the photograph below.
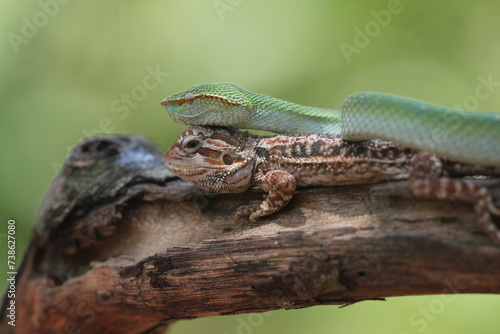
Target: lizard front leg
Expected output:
[425,181]
[280,186]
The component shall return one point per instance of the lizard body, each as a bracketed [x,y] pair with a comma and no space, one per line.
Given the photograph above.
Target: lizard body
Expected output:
[225,160]
[472,137]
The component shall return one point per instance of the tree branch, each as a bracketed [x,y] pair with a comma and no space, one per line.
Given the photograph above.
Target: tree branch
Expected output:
[122,246]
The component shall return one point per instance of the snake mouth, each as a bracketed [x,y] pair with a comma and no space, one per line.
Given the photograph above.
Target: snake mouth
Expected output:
[178,112]
[178,118]
[194,119]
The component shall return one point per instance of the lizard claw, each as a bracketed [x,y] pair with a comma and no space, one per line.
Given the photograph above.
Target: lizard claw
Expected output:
[251,210]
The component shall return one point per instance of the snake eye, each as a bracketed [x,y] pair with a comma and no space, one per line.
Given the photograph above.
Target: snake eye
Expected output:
[191,145]
[189,97]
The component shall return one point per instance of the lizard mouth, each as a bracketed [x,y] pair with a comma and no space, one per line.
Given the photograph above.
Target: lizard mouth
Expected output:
[194,168]
[181,166]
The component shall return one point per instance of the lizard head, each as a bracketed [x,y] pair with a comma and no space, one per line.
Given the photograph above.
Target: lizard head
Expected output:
[209,104]
[213,158]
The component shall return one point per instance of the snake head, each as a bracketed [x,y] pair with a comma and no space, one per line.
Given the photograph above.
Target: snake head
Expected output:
[213,158]
[209,104]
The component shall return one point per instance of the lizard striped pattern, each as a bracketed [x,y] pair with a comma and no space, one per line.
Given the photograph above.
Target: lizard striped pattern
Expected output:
[225,160]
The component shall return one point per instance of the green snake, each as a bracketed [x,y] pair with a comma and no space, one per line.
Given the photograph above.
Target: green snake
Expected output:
[471,137]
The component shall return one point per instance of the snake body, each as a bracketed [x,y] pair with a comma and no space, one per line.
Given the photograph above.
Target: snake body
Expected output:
[471,137]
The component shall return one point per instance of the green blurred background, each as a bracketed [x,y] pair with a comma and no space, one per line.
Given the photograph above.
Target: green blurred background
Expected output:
[70,69]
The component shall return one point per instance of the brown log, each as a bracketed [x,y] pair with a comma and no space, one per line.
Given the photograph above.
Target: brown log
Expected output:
[122,246]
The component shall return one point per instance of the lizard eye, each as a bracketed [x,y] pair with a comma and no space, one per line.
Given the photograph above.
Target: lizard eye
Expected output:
[191,145]
[228,160]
